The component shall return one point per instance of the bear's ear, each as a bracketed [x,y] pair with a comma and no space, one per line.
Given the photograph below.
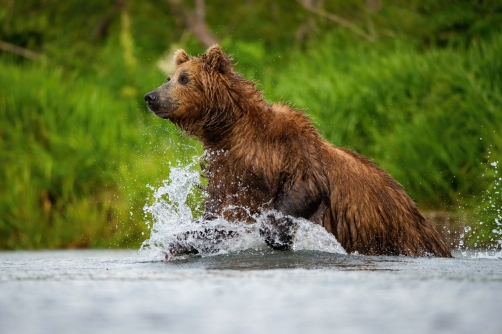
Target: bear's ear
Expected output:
[180,56]
[217,60]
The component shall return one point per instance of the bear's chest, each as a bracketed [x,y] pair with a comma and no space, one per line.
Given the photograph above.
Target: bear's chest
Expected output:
[235,193]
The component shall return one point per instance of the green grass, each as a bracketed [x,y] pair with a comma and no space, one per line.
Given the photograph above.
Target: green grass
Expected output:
[78,147]
[76,161]
[78,151]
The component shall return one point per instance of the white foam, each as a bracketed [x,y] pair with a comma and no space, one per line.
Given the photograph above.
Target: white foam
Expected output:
[170,216]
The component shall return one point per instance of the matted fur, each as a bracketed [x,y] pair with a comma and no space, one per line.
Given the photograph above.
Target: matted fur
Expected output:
[262,156]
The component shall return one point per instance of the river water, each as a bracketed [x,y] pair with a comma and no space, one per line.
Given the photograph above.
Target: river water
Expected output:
[251,291]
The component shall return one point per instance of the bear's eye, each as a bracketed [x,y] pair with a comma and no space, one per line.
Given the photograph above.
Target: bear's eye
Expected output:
[168,78]
[183,79]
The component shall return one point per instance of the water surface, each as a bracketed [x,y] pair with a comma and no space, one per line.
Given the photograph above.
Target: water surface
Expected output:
[252,291]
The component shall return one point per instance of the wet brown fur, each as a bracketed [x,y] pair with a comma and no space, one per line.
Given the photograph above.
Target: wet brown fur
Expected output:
[262,156]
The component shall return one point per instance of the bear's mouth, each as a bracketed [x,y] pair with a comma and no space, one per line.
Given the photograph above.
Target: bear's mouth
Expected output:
[162,111]
[163,114]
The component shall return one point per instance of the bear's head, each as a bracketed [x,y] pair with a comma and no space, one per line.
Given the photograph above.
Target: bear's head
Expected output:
[202,95]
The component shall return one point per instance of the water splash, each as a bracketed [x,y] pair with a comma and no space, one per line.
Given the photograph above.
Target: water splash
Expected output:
[171,215]
[490,214]
[493,206]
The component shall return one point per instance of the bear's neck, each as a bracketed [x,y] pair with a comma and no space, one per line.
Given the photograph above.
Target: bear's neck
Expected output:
[241,113]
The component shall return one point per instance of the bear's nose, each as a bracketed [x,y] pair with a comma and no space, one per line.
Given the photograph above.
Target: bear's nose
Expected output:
[150,97]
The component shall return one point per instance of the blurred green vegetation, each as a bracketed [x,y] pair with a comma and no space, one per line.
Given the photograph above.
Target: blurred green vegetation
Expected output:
[414,85]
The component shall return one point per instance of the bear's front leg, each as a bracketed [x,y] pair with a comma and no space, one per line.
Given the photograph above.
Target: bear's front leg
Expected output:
[182,246]
[279,227]
[278,233]
[206,241]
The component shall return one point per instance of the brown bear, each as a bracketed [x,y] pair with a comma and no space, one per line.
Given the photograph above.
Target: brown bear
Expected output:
[269,159]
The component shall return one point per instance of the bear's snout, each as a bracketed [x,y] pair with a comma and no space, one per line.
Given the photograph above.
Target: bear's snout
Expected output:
[160,103]
[150,97]
[152,101]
